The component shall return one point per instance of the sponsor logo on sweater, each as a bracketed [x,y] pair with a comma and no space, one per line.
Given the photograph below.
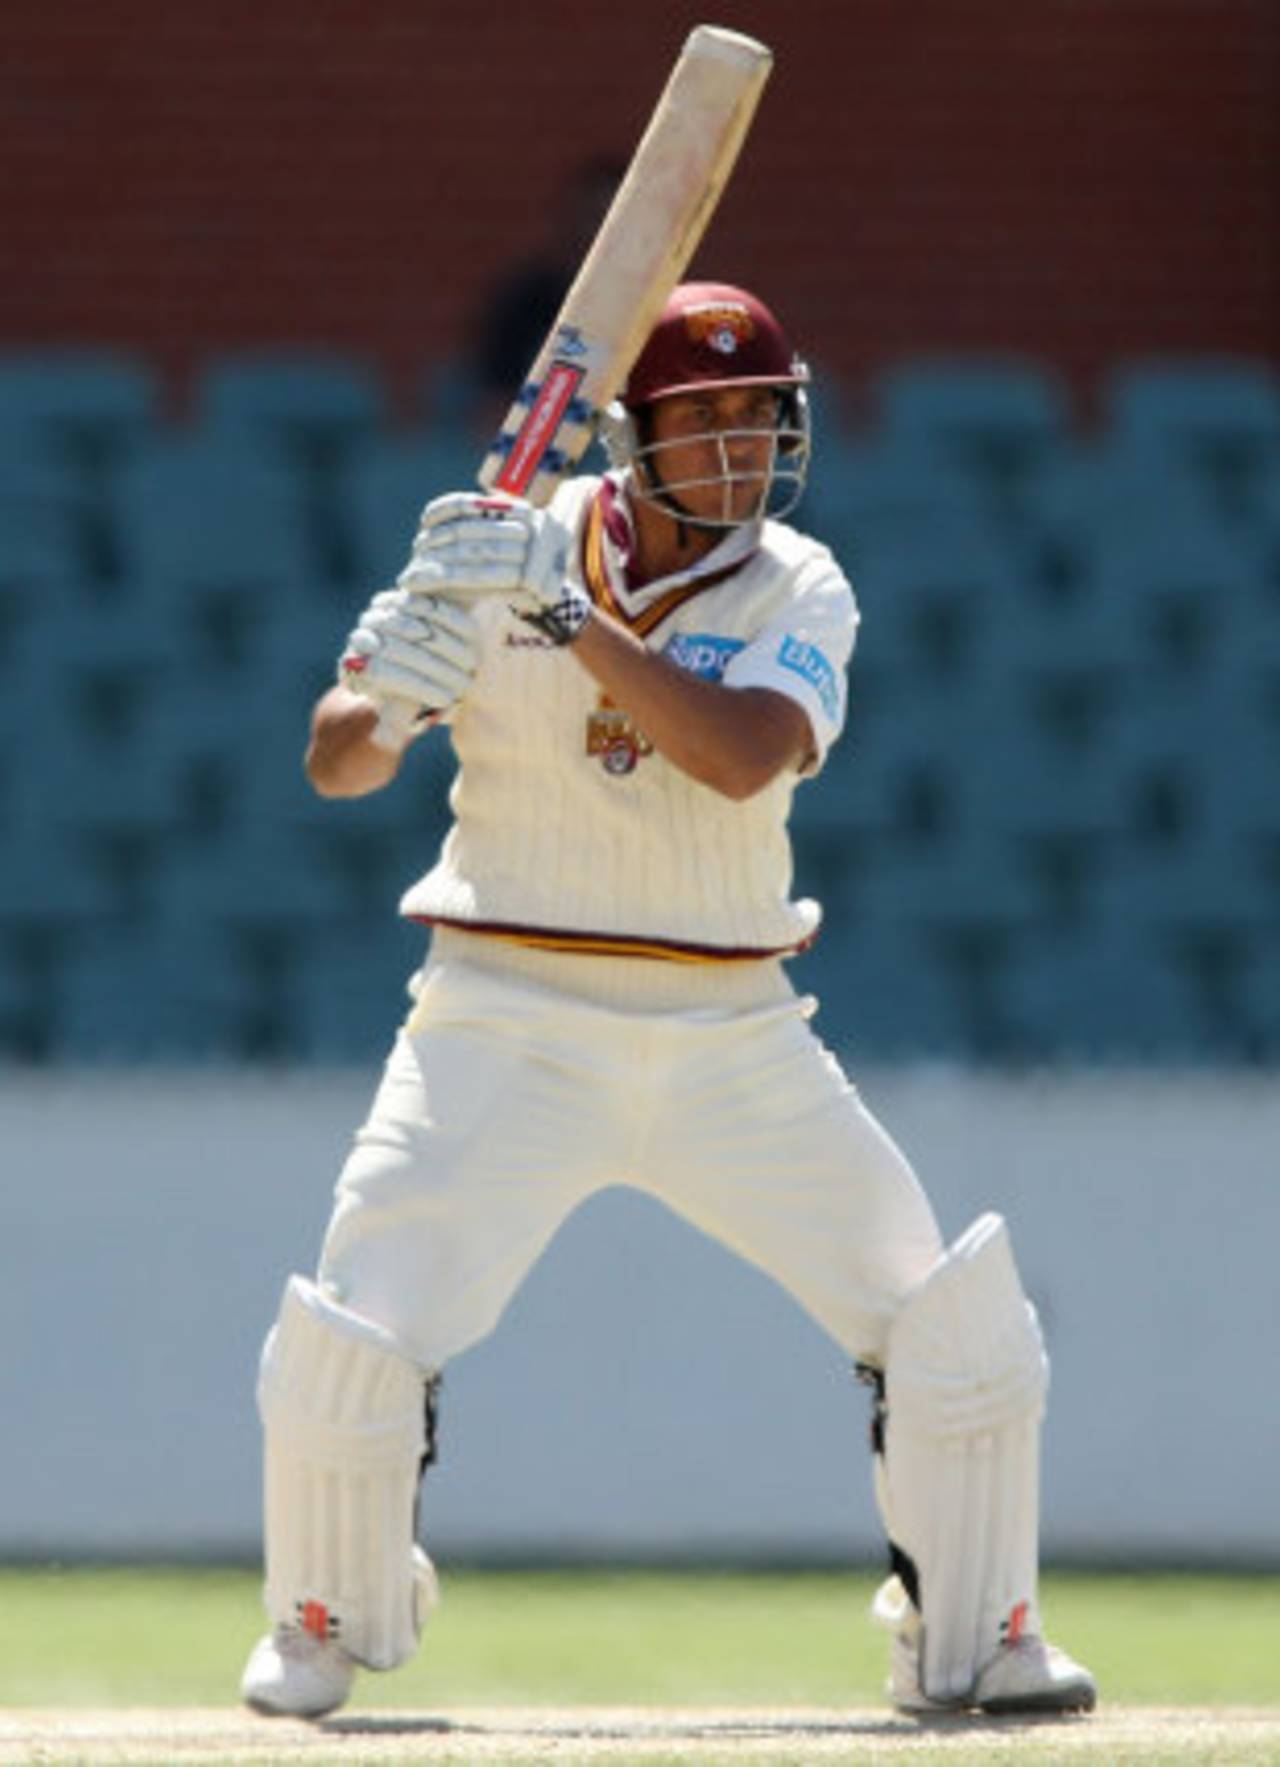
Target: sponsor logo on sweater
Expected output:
[702,653]
[807,661]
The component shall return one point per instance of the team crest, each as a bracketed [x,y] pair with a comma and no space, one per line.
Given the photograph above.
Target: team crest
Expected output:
[722,325]
[614,738]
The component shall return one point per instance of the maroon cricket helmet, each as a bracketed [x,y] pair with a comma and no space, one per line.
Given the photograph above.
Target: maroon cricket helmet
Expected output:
[709,335]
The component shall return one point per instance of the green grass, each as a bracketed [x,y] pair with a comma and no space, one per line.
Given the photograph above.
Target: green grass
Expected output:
[179,1637]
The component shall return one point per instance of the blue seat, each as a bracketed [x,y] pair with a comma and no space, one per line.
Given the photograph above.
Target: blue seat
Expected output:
[89,403]
[45,508]
[212,518]
[862,498]
[1220,417]
[384,487]
[1268,504]
[307,398]
[1144,598]
[1205,914]
[1260,989]
[87,785]
[928,595]
[44,880]
[159,992]
[1198,763]
[994,418]
[1087,496]
[967,879]
[1102,992]
[235,741]
[1181,592]
[253,878]
[1186,403]
[882,993]
[352,996]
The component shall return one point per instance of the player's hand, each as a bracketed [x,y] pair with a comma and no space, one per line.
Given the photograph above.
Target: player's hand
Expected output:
[470,546]
[414,657]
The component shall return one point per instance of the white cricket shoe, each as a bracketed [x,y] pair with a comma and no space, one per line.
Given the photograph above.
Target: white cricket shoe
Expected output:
[1034,1676]
[290,1674]
[1029,1676]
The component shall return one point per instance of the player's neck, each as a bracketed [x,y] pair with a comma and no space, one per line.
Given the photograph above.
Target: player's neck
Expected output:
[665,545]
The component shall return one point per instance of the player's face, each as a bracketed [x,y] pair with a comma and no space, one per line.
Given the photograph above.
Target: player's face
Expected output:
[714,450]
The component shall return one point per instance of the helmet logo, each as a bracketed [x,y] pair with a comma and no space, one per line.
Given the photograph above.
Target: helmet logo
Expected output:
[722,325]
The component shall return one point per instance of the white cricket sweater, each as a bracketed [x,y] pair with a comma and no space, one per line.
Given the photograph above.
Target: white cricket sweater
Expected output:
[570,832]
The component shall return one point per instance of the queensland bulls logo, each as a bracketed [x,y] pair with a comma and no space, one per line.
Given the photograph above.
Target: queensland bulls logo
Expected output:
[722,325]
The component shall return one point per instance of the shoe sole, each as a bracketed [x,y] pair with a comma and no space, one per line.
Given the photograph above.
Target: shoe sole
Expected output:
[266,1710]
[1077,1699]
[1060,1701]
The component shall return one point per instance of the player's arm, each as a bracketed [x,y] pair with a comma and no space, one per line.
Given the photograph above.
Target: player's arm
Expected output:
[733,739]
[735,736]
[343,760]
[408,661]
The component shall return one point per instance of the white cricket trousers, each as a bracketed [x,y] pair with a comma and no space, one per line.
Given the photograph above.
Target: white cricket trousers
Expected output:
[507,1101]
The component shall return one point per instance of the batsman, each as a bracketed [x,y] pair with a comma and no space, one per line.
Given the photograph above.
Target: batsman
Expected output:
[636,679]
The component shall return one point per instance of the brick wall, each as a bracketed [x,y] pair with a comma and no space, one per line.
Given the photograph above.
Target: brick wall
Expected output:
[1079,179]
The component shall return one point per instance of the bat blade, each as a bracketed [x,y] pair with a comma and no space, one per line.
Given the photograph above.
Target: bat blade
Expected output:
[643,246]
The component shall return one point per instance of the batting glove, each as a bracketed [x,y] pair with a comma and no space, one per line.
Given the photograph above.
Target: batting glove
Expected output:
[470,546]
[414,657]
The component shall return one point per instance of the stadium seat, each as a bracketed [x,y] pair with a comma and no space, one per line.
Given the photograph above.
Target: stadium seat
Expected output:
[881,992]
[1193,402]
[1206,917]
[1219,416]
[214,539]
[304,399]
[384,487]
[1197,764]
[89,404]
[1144,599]
[864,498]
[46,508]
[997,420]
[1182,590]
[241,734]
[1102,992]
[961,397]
[44,881]
[350,1000]
[1260,998]
[255,877]
[1087,497]
[1268,508]
[159,992]
[927,596]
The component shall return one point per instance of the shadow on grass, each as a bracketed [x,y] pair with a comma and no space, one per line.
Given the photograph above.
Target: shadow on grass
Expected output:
[692,1729]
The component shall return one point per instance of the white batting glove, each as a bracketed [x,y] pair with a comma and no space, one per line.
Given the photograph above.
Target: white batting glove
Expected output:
[470,546]
[414,657]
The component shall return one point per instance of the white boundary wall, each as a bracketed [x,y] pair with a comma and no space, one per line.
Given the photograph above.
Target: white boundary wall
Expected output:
[645,1393]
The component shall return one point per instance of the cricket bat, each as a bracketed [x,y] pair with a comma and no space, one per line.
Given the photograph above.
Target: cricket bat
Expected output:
[643,246]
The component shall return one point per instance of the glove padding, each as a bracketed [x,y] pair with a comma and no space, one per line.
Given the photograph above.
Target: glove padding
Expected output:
[470,546]
[413,656]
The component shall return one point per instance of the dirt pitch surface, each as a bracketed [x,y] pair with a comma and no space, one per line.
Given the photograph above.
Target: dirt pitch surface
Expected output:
[172,1738]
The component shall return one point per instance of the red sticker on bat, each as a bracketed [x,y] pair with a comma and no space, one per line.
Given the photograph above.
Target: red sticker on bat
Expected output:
[535,434]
